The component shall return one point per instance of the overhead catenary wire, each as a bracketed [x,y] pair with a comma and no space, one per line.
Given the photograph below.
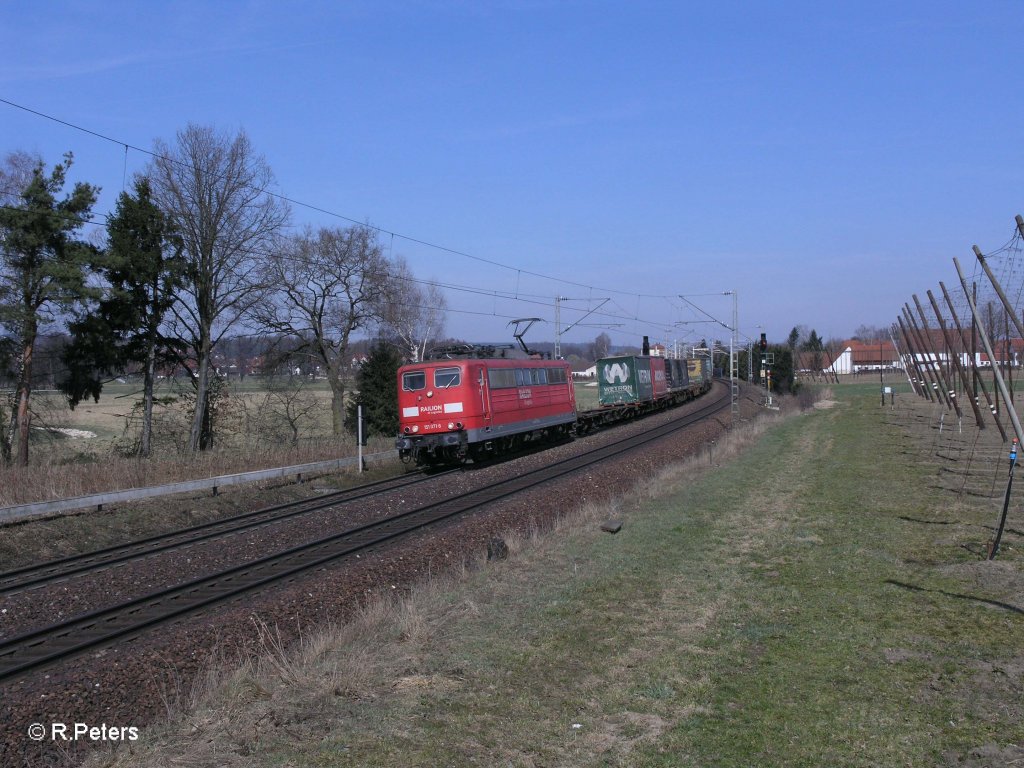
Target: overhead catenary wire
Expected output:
[327,212]
[533,299]
[391,234]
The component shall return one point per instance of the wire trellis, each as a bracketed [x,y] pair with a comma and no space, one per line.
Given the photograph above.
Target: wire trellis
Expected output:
[961,344]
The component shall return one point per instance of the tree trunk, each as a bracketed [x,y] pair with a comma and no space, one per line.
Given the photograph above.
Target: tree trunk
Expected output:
[145,444]
[199,416]
[22,415]
[206,437]
[337,385]
[338,411]
[5,437]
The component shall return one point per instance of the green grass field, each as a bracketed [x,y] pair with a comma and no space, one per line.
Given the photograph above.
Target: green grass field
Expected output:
[586,395]
[815,600]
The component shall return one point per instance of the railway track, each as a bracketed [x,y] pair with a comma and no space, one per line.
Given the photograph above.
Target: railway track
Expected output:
[53,571]
[47,645]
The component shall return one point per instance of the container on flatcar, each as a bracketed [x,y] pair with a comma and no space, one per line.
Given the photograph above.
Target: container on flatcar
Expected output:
[699,370]
[676,374]
[659,377]
[625,379]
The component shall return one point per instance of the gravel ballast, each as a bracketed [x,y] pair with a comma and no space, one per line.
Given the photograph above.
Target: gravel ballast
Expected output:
[136,682]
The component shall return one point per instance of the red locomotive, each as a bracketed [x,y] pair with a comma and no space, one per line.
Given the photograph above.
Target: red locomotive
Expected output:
[475,407]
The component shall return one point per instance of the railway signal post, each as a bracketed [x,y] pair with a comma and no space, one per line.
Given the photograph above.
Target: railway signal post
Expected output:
[767,360]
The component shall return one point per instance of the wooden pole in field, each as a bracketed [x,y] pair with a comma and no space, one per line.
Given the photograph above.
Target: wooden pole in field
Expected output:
[956,361]
[894,337]
[991,353]
[931,358]
[920,385]
[950,393]
[924,364]
[976,379]
[1010,311]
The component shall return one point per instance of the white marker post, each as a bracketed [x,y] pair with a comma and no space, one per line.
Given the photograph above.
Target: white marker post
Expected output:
[359,434]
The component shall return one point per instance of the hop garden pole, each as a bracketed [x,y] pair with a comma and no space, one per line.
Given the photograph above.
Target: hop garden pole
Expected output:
[956,361]
[1006,399]
[977,380]
[1000,384]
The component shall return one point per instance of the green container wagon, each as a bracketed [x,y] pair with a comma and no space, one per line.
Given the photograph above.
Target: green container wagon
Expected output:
[624,379]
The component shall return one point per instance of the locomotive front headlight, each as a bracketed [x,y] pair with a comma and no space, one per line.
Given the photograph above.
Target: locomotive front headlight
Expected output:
[416,428]
[451,425]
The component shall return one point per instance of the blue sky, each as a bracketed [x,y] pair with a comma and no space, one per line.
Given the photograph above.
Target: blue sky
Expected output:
[824,161]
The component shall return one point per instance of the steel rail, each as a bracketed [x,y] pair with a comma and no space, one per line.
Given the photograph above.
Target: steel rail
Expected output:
[44,646]
[39,574]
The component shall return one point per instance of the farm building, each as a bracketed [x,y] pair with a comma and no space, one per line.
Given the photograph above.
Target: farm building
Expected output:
[857,357]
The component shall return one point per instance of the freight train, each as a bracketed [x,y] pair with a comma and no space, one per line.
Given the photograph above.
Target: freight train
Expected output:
[463,406]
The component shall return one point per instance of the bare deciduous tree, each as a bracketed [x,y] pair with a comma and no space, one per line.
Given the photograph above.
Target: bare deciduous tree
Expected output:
[285,413]
[325,286]
[214,189]
[412,311]
[869,333]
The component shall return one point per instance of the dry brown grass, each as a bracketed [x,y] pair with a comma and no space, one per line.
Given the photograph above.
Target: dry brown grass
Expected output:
[764,612]
[45,479]
[396,652]
[89,449]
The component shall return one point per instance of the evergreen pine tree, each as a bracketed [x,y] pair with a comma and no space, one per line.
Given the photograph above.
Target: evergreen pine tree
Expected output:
[377,387]
[43,270]
[143,269]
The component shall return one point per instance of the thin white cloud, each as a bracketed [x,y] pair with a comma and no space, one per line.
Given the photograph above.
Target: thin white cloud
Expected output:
[85,67]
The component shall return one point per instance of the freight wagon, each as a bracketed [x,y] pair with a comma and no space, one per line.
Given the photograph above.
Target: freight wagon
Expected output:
[699,369]
[633,385]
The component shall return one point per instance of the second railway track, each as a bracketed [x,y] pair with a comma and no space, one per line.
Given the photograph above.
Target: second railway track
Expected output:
[52,571]
[37,648]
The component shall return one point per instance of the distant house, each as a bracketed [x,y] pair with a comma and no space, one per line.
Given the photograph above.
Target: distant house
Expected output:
[854,356]
[930,347]
[876,355]
[584,371]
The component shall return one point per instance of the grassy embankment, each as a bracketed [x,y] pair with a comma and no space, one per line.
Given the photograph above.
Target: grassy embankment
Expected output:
[815,599]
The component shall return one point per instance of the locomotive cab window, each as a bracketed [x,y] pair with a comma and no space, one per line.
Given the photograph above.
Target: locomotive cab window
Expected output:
[447,377]
[414,381]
